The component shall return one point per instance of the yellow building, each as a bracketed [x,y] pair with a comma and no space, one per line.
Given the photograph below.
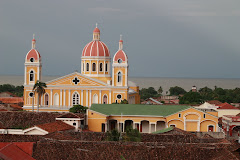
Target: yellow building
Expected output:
[149,118]
[96,84]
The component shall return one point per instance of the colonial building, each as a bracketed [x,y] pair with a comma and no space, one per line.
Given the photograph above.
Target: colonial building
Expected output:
[150,118]
[95,84]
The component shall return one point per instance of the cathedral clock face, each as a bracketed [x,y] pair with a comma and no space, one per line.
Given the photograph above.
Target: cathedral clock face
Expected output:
[76,80]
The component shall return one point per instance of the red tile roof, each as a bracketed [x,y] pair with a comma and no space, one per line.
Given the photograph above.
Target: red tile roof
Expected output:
[69,115]
[226,106]
[11,100]
[16,150]
[55,126]
[1,126]
[11,94]
[16,106]
[216,102]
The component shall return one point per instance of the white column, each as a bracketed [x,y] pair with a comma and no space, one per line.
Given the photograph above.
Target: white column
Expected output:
[110,95]
[90,98]
[126,76]
[69,97]
[51,98]
[64,97]
[100,97]
[97,66]
[25,76]
[82,97]
[123,126]
[104,69]
[61,97]
[87,98]
[106,127]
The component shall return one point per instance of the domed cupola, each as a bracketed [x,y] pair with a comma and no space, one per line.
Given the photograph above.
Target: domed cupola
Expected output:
[96,58]
[120,66]
[33,55]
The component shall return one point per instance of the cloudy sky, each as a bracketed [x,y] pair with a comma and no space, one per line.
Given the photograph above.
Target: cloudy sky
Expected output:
[162,38]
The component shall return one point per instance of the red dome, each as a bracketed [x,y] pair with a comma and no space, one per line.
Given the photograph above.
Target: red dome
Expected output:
[33,53]
[96,30]
[34,39]
[120,55]
[96,48]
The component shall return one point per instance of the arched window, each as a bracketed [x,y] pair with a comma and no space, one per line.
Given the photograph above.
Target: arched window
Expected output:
[31,76]
[83,66]
[119,77]
[95,99]
[56,100]
[100,67]
[31,59]
[119,60]
[94,67]
[105,99]
[46,99]
[87,67]
[75,98]
[106,67]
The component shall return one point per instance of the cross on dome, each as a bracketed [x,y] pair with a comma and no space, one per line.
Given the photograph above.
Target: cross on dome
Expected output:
[75,80]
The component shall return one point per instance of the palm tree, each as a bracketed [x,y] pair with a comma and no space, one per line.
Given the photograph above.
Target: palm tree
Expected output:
[39,88]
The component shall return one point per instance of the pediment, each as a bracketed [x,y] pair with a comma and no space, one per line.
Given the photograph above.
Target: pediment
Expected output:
[76,79]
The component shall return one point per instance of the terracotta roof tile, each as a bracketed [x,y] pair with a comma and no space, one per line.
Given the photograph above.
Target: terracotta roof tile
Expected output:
[16,106]
[11,100]
[55,126]
[69,115]
[226,106]
[16,152]
[216,102]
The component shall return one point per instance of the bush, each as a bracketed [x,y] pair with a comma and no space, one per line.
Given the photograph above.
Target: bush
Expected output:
[113,135]
[78,109]
[132,135]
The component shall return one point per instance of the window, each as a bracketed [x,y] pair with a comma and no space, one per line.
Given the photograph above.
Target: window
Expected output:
[106,67]
[31,59]
[119,96]
[83,67]
[46,99]
[119,60]
[204,115]
[75,98]
[87,67]
[74,124]
[172,125]
[100,67]
[119,76]
[31,76]
[94,67]
[116,101]
[31,94]
[179,115]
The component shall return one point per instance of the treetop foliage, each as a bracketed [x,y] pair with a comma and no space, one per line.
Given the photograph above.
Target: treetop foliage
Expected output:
[17,90]
[78,109]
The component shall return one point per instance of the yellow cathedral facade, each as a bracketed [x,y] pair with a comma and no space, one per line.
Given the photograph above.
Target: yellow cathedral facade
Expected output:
[103,80]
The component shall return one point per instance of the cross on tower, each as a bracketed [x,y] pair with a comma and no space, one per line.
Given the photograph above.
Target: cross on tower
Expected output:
[75,80]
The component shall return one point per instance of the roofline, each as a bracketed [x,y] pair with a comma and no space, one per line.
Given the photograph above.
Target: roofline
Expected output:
[69,118]
[205,112]
[137,115]
[98,112]
[180,111]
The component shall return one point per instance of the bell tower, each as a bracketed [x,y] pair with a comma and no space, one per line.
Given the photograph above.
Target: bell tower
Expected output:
[120,67]
[33,65]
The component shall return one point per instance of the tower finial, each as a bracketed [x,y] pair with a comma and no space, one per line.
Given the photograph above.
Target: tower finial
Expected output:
[120,37]
[33,36]
[96,25]
[33,42]
[120,43]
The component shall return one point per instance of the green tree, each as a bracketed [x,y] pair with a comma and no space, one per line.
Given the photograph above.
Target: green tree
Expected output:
[191,98]
[113,135]
[39,88]
[176,91]
[132,135]
[148,92]
[160,90]
[206,93]
[78,109]
[124,101]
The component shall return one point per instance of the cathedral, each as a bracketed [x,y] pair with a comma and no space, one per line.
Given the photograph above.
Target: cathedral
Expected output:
[103,80]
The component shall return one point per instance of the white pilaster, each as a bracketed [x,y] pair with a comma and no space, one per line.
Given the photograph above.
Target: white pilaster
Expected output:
[90,67]
[51,98]
[104,69]
[110,95]
[69,97]
[64,97]
[82,97]
[25,75]
[87,98]
[100,97]
[61,97]
[90,98]
[97,66]
[113,76]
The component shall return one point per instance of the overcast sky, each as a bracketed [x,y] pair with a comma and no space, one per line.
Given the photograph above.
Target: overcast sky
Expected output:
[162,38]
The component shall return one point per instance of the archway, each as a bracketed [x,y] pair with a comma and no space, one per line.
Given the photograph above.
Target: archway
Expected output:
[128,123]
[112,124]
[46,97]
[95,99]
[210,128]
[160,125]
[144,128]
[236,131]
[105,99]
[56,100]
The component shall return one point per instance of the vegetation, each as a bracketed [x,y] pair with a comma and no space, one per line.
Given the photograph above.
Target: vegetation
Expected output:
[124,101]
[78,109]
[132,135]
[176,91]
[39,88]
[113,135]
[191,98]
[160,90]
[17,90]
[148,92]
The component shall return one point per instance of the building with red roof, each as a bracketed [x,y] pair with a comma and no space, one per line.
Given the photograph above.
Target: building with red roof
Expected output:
[227,109]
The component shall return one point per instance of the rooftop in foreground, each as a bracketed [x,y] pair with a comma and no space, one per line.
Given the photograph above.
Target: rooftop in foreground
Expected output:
[137,109]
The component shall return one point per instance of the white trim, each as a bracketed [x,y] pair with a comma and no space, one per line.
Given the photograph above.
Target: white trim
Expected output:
[100,97]
[110,97]
[208,120]
[75,97]
[69,97]
[61,97]
[82,97]
[64,97]
[87,103]
[90,98]
[51,98]
[35,127]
